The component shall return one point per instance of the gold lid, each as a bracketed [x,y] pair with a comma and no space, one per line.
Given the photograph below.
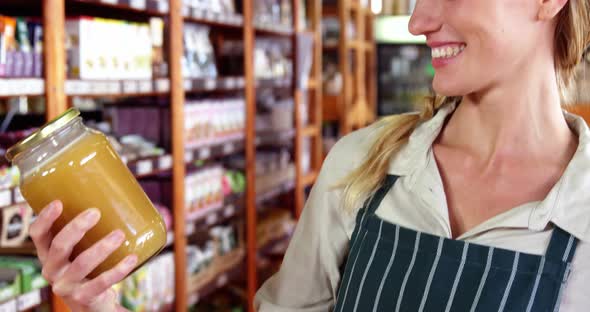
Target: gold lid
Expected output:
[43,133]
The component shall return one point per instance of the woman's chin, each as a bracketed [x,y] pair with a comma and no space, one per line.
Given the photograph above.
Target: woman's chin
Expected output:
[447,87]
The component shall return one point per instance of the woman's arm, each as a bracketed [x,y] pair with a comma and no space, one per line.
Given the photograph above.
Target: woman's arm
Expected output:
[310,273]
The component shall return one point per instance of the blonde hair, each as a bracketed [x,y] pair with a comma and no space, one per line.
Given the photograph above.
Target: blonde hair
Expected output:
[572,36]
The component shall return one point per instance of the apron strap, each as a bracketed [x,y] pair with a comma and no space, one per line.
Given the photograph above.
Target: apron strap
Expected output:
[562,246]
[374,201]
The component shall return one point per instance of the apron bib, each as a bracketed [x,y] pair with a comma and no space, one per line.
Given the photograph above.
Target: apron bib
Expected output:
[391,268]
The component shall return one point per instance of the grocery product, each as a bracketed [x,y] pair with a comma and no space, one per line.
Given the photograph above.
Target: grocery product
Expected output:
[81,169]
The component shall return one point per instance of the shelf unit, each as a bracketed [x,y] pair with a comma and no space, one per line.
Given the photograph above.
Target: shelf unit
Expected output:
[58,92]
[354,107]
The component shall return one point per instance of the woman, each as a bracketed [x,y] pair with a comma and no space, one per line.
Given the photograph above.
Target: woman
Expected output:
[477,204]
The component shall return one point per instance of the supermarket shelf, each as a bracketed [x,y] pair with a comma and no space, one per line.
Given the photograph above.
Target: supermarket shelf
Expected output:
[151,166]
[273,30]
[27,249]
[22,86]
[277,246]
[169,239]
[10,197]
[281,188]
[117,88]
[312,84]
[144,7]
[311,131]
[219,149]
[210,216]
[274,137]
[278,82]
[220,272]
[330,47]
[214,84]
[28,301]
[310,178]
[213,19]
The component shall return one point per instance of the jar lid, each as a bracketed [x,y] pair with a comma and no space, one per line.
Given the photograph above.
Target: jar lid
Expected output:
[43,133]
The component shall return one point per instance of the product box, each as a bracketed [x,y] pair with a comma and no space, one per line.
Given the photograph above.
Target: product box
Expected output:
[30,272]
[10,284]
[81,60]
[8,45]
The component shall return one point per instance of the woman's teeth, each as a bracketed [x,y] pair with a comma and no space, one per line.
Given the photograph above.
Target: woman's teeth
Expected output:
[447,51]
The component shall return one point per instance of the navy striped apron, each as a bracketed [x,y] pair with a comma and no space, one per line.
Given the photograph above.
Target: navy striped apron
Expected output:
[391,268]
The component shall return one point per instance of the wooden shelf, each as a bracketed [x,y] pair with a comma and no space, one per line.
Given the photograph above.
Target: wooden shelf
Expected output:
[220,272]
[273,30]
[281,188]
[277,82]
[150,166]
[214,150]
[205,218]
[213,19]
[274,137]
[311,131]
[117,88]
[11,87]
[214,84]
[151,7]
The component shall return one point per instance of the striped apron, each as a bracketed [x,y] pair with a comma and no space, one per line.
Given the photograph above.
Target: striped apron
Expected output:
[391,268]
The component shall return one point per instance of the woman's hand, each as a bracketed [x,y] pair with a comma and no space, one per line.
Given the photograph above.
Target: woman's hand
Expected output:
[68,279]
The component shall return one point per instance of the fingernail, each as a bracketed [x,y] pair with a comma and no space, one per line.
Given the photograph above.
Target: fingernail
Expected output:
[131,260]
[116,236]
[91,215]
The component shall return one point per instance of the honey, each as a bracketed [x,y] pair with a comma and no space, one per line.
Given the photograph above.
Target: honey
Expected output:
[87,173]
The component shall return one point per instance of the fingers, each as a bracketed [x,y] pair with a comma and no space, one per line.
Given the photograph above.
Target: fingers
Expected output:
[87,293]
[87,261]
[63,243]
[40,230]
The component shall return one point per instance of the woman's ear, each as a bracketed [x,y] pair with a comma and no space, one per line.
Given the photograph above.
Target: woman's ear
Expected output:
[548,9]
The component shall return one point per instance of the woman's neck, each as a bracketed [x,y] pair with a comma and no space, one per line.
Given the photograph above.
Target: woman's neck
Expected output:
[520,120]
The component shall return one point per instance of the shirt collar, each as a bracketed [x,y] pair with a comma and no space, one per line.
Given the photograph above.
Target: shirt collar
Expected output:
[568,203]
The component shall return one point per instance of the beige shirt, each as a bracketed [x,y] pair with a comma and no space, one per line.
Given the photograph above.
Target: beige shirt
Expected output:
[310,274]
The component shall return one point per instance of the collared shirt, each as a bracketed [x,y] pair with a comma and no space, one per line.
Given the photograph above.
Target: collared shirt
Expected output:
[310,274]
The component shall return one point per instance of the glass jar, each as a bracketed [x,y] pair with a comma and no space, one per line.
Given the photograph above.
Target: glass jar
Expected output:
[66,161]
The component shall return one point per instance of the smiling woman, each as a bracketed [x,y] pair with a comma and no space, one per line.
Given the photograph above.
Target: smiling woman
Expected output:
[447,210]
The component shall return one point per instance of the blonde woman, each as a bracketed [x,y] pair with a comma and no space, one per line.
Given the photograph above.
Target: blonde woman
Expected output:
[481,202]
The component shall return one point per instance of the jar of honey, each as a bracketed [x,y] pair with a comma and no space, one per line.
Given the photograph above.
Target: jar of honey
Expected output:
[66,161]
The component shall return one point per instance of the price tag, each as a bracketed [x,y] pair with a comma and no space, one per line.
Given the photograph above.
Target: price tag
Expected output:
[144,167]
[190,229]
[198,13]
[145,86]
[222,280]
[204,153]
[210,84]
[130,86]
[29,300]
[5,198]
[188,156]
[18,196]
[163,85]
[138,4]
[169,239]
[228,148]
[211,219]
[165,162]
[9,306]
[109,1]
[185,10]
[229,211]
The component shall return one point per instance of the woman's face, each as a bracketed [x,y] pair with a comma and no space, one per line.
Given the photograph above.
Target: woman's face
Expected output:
[479,44]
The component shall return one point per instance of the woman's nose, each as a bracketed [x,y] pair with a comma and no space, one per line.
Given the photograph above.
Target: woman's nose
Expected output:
[426,17]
